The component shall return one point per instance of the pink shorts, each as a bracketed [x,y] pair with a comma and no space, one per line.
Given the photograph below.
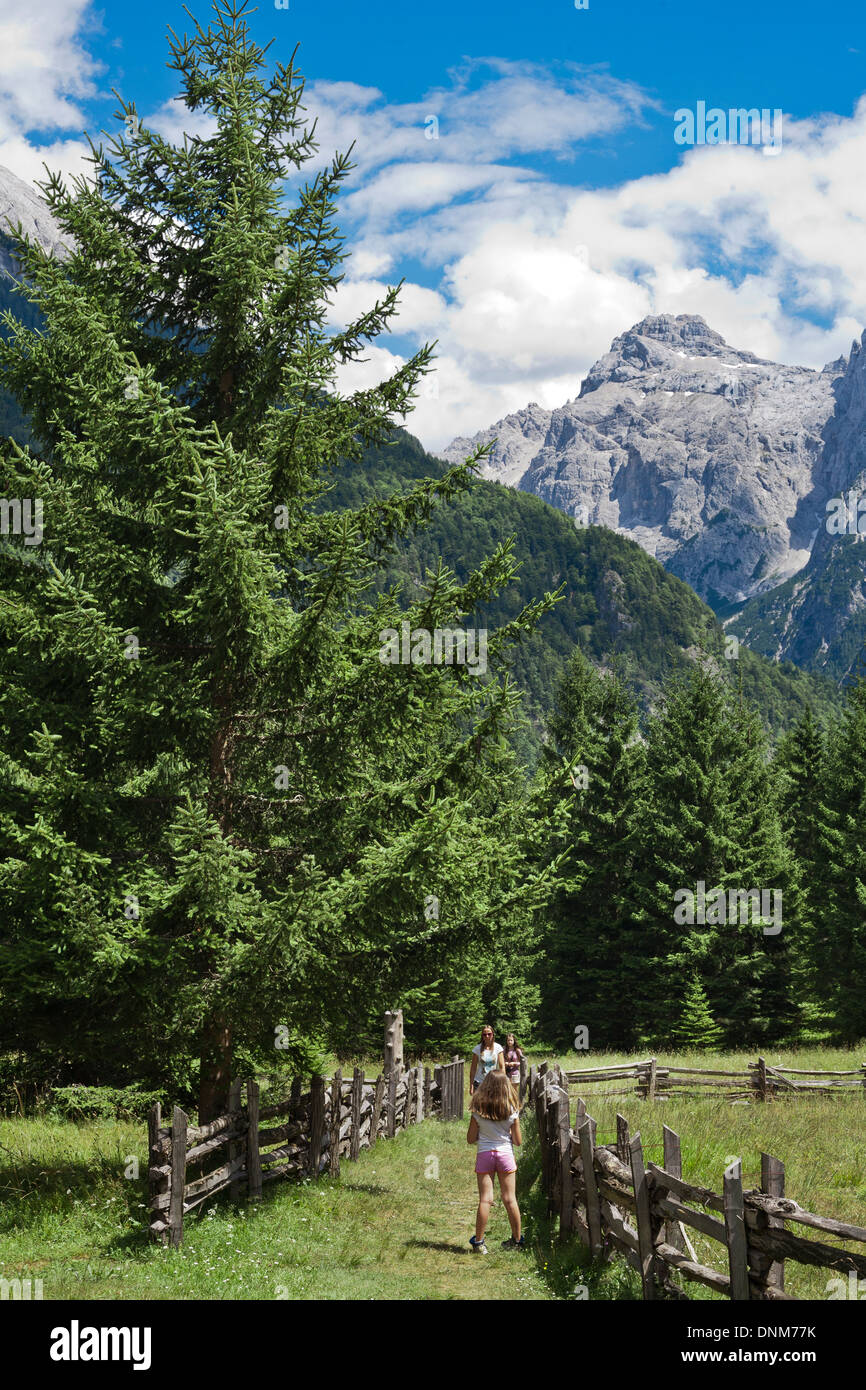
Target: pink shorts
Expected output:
[496,1161]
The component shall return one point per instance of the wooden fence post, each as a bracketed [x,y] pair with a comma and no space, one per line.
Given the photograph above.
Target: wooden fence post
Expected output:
[317,1123]
[586,1139]
[460,1084]
[158,1175]
[651,1080]
[235,1145]
[767,1271]
[622,1149]
[336,1122]
[541,1127]
[762,1079]
[376,1117]
[419,1094]
[357,1094]
[644,1219]
[553,1152]
[410,1097]
[179,1124]
[566,1182]
[428,1092]
[673,1164]
[521,1093]
[254,1162]
[394,1040]
[391,1126]
[735,1231]
[439,1077]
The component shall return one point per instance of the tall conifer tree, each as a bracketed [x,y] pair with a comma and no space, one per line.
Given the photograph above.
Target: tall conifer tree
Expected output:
[839,874]
[590,787]
[222,812]
[711,818]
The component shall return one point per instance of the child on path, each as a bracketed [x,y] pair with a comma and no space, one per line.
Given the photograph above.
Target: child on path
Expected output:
[494,1127]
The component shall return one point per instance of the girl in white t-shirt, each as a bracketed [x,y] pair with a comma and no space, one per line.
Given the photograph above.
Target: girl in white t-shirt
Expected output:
[487,1056]
[495,1127]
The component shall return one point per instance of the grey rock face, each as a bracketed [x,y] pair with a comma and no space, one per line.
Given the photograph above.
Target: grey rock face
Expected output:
[705,455]
[21,202]
[519,437]
[818,619]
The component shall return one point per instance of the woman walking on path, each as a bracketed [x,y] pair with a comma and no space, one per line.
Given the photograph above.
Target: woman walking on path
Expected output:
[513,1056]
[495,1127]
[487,1056]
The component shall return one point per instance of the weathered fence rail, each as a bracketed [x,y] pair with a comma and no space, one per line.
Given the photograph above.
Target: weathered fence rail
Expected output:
[616,1202]
[655,1081]
[311,1132]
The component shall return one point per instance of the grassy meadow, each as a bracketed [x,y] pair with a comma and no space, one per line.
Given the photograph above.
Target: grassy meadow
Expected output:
[396,1224]
[820,1139]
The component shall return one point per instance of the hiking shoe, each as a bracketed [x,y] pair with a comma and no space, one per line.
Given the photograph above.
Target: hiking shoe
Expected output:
[478,1246]
[512,1244]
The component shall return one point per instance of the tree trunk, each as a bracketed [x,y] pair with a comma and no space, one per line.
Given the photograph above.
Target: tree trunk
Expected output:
[215,1076]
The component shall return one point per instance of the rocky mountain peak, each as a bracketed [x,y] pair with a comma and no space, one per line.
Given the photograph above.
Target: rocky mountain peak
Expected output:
[707,455]
[663,342]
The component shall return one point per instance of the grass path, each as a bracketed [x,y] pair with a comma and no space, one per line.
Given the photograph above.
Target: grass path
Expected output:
[388,1228]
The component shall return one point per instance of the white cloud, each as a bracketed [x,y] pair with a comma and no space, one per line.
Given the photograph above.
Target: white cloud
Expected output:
[173,120]
[491,110]
[403,188]
[533,275]
[537,279]
[420,310]
[46,71]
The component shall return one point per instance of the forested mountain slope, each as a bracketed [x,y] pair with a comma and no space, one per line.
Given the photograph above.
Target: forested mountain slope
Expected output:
[619,604]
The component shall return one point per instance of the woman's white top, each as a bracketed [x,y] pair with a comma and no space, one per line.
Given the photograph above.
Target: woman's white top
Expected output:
[486,1060]
[494,1134]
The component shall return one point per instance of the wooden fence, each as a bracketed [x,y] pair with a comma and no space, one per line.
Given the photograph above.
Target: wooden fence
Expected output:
[449,1078]
[616,1202]
[313,1130]
[654,1081]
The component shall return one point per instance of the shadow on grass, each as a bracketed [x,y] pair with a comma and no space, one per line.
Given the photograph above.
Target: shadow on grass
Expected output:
[447,1246]
[565,1266]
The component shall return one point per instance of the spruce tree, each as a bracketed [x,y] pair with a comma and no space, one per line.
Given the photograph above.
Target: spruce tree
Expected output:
[223,811]
[590,785]
[711,818]
[696,1028]
[800,775]
[838,876]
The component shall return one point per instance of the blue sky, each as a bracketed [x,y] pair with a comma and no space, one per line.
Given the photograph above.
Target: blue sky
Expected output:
[554,209]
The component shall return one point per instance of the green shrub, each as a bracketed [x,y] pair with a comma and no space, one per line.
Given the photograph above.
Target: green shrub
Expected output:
[102,1102]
